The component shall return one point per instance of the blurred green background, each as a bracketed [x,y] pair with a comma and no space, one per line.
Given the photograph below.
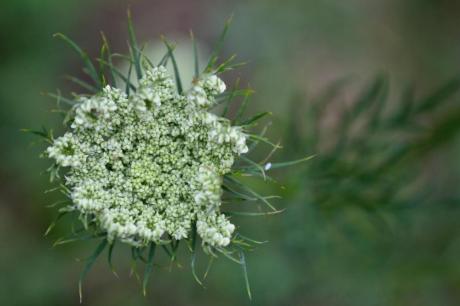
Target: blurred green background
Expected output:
[369,87]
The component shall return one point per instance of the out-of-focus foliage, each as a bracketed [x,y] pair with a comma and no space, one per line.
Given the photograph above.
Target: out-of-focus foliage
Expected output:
[375,152]
[371,220]
[374,209]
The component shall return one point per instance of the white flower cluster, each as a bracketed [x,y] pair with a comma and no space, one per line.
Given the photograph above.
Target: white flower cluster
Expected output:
[65,151]
[215,229]
[204,91]
[209,190]
[91,109]
[148,166]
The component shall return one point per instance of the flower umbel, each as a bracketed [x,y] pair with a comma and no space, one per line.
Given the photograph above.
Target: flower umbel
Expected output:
[152,164]
[147,166]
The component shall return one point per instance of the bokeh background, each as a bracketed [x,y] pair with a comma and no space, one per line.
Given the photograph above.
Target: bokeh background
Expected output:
[369,87]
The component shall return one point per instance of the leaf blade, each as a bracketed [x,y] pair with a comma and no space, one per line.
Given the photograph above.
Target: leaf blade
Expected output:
[148,268]
[90,262]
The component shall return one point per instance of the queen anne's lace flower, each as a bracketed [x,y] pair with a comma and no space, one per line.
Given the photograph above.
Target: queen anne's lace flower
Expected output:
[150,165]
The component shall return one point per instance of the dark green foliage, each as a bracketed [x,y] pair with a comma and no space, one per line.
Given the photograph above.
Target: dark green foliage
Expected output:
[375,151]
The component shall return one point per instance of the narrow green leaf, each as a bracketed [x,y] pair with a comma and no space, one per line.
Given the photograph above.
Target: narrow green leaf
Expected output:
[252,192]
[59,98]
[232,93]
[214,55]
[81,83]
[134,46]
[228,65]
[255,118]
[193,257]
[109,258]
[242,108]
[89,263]
[241,243]
[53,171]
[252,171]
[230,98]
[145,61]
[264,140]
[125,57]
[174,247]
[137,254]
[174,63]
[133,271]
[46,135]
[126,79]
[148,268]
[129,86]
[102,54]
[74,238]
[251,240]
[57,203]
[255,142]
[92,72]
[225,65]
[195,56]
[109,59]
[52,189]
[254,164]
[208,268]
[245,274]
[35,132]
[235,198]
[242,196]
[167,251]
[270,166]
[229,255]
[164,59]
[53,224]
[253,214]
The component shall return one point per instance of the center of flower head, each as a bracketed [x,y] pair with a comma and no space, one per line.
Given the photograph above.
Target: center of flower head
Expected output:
[150,165]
